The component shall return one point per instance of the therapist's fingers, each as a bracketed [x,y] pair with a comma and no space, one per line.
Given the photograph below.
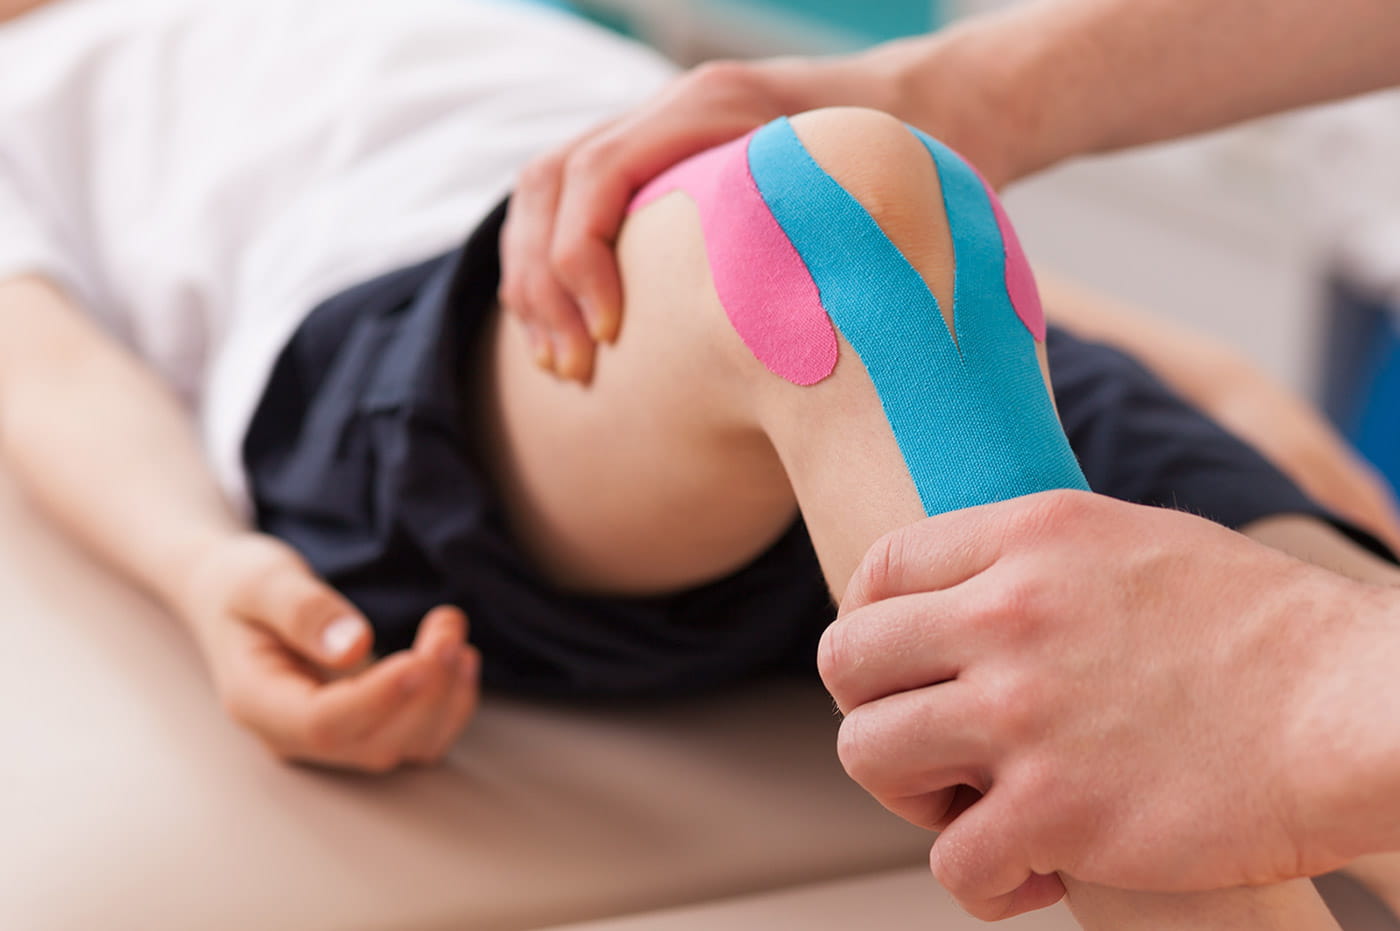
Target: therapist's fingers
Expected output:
[935,553]
[714,103]
[977,861]
[948,549]
[559,341]
[907,749]
[895,645]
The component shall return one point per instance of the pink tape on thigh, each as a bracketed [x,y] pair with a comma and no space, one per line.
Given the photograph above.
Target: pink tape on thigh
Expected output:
[762,283]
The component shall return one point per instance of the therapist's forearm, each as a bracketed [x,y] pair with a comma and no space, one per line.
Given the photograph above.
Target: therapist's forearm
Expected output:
[1059,78]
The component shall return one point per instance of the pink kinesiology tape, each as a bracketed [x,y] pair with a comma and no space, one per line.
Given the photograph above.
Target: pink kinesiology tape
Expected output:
[762,282]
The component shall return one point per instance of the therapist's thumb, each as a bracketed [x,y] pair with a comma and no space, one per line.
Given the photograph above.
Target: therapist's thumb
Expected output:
[978,862]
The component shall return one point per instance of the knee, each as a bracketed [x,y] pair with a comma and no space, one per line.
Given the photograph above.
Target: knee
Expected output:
[882,164]
[873,155]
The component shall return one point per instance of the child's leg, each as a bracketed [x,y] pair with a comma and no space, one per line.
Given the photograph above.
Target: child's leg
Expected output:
[687,457]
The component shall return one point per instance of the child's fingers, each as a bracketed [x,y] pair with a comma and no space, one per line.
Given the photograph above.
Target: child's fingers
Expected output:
[396,740]
[460,706]
[346,712]
[440,641]
[303,719]
[306,614]
[442,627]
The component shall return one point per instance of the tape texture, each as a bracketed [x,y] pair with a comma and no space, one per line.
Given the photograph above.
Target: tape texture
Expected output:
[972,416]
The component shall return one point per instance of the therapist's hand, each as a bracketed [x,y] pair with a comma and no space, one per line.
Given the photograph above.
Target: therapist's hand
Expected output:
[559,274]
[1136,697]
[289,657]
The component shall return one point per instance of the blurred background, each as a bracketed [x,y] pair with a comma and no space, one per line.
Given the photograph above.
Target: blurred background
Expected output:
[1281,238]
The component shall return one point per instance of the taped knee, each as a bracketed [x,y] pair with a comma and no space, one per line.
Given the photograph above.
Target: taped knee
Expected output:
[796,257]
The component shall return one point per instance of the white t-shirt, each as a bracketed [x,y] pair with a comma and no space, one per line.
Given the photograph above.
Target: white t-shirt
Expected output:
[201,174]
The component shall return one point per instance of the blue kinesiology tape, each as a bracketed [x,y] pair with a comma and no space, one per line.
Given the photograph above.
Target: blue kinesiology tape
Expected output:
[973,418]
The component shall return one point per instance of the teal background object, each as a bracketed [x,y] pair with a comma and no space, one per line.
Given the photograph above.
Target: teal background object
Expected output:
[974,420]
[1362,374]
[870,20]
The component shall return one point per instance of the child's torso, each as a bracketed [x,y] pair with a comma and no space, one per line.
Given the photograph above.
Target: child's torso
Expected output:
[214,170]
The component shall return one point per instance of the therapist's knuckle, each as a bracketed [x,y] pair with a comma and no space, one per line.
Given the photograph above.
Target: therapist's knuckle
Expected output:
[954,874]
[1014,713]
[722,78]
[1055,512]
[1010,707]
[875,577]
[856,748]
[512,296]
[542,294]
[833,652]
[1017,606]
[569,257]
[541,175]
[590,159]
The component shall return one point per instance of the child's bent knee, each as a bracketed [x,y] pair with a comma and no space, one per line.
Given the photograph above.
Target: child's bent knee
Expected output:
[846,220]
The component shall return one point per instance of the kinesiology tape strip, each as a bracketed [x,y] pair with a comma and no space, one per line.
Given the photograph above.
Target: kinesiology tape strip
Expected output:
[792,253]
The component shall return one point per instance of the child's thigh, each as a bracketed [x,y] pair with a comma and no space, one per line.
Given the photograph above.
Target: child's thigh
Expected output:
[654,476]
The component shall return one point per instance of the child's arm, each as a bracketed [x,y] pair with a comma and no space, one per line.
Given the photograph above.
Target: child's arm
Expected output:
[9,9]
[107,450]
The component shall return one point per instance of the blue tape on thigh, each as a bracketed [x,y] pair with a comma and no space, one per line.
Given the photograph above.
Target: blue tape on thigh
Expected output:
[973,419]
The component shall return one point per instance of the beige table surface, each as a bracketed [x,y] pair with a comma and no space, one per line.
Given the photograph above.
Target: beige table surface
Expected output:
[127,800]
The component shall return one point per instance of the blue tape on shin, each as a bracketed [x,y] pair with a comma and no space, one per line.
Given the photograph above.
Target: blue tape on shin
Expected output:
[973,420]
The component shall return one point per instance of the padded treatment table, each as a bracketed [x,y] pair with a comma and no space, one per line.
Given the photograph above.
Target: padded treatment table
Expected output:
[129,801]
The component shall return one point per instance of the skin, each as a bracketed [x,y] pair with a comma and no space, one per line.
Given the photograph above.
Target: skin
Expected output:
[957,664]
[581,509]
[79,416]
[1014,93]
[1017,92]
[69,399]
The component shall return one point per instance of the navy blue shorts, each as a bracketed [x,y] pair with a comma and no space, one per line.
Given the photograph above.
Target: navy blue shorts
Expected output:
[361,456]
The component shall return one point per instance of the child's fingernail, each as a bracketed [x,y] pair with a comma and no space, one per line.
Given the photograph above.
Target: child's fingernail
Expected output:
[340,635]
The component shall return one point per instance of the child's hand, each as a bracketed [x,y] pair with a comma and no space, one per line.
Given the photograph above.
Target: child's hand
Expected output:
[288,656]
